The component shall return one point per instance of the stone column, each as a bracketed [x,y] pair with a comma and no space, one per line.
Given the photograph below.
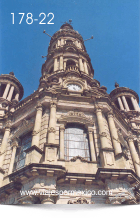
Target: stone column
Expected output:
[37,126]
[81,64]
[139,147]
[61,62]
[106,150]
[14,146]
[17,97]
[120,103]
[55,64]
[59,42]
[114,134]
[62,41]
[134,103]
[85,67]
[125,103]
[138,108]
[134,155]
[64,65]
[52,123]
[102,133]
[4,144]
[92,146]
[10,93]
[62,129]
[6,91]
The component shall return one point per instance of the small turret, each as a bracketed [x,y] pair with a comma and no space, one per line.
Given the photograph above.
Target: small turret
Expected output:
[11,91]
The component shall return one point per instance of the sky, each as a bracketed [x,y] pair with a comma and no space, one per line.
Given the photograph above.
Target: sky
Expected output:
[114,51]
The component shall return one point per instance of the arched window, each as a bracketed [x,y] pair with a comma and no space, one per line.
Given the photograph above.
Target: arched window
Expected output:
[25,142]
[76,142]
[70,63]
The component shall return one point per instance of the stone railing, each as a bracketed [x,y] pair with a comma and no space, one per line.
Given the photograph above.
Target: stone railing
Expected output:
[72,68]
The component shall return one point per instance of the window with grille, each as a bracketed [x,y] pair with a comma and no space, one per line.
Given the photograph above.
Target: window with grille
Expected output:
[25,143]
[76,142]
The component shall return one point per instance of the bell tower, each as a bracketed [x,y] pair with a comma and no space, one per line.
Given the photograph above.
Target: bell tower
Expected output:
[67,57]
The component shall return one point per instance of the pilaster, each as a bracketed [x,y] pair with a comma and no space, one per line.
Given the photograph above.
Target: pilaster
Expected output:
[134,154]
[52,123]
[14,145]
[106,152]
[114,134]
[62,129]
[91,142]
[37,126]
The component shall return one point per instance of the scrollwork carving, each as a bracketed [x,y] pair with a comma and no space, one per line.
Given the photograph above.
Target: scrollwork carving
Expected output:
[78,157]
[76,117]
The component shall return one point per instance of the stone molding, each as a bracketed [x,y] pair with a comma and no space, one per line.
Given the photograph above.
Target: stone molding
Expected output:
[76,117]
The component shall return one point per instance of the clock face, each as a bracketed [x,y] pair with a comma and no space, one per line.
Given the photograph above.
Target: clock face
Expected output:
[74,87]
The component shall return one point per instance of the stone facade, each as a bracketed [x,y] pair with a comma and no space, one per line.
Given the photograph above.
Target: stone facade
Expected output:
[39,150]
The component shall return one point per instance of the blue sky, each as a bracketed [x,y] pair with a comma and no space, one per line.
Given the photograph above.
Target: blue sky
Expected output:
[114,51]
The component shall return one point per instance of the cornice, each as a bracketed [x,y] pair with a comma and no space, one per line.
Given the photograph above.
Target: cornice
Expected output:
[121,90]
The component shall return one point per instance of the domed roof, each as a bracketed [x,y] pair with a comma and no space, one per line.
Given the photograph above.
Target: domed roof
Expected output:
[66,26]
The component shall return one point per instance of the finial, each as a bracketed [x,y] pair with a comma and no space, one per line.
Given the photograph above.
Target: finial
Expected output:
[70,21]
[11,73]
[116,85]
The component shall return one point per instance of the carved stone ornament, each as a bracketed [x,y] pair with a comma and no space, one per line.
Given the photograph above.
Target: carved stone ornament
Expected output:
[39,105]
[15,142]
[51,129]
[98,107]
[78,158]
[53,103]
[76,117]
[80,201]
[8,124]
[103,134]
[122,140]
[49,198]
[110,113]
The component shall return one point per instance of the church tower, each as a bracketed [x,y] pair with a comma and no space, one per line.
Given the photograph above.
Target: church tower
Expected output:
[70,134]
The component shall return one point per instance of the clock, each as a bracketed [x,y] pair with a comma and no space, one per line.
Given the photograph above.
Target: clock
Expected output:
[74,87]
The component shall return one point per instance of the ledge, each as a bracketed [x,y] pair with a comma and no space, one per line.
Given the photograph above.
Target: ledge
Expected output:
[36,169]
[118,174]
